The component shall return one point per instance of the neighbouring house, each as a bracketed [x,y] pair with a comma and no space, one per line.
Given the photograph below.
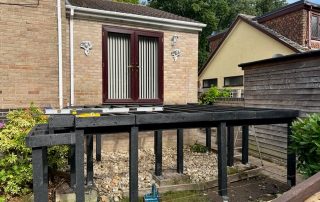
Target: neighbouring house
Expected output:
[291,29]
[287,82]
[91,52]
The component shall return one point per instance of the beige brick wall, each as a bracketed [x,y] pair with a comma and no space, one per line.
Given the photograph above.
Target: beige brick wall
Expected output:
[29,64]
[28,49]
[180,77]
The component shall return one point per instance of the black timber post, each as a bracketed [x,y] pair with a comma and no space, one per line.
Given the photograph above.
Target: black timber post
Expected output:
[180,150]
[158,152]
[40,173]
[98,147]
[133,164]
[79,165]
[222,159]
[72,166]
[230,145]
[245,144]
[208,139]
[89,144]
[291,159]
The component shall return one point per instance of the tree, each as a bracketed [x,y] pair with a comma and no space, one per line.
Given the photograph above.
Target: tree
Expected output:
[128,1]
[264,6]
[217,14]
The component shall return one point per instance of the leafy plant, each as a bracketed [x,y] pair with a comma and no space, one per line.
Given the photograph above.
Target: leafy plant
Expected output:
[15,156]
[198,148]
[306,144]
[213,93]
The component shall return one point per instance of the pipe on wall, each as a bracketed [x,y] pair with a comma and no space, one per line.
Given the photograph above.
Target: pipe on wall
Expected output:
[60,55]
[71,58]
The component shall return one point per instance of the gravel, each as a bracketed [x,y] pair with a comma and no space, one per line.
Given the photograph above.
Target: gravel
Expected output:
[112,173]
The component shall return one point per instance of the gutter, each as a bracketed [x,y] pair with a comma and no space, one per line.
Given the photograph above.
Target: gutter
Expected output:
[60,80]
[148,20]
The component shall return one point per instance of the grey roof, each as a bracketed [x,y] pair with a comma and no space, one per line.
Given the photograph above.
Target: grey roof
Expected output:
[109,5]
[272,32]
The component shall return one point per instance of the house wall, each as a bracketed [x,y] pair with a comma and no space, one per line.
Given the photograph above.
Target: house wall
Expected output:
[28,49]
[293,25]
[244,44]
[29,59]
[180,77]
[292,84]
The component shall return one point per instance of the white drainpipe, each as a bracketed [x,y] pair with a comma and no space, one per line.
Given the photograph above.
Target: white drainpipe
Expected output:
[71,59]
[60,54]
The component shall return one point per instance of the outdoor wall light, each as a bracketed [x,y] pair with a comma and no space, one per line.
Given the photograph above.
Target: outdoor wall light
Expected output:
[87,46]
[174,40]
[175,53]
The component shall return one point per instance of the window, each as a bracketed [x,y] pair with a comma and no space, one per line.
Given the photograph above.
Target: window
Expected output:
[207,83]
[233,81]
[315,32]
[132,66]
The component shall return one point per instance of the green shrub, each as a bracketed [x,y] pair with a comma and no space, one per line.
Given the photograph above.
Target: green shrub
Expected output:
[198,148]
[15,156]
[213,93]
[306,144]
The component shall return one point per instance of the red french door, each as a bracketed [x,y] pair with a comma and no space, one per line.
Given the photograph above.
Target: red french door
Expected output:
[132,66]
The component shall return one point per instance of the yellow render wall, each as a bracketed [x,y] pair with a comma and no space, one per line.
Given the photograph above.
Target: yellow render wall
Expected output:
[244,44]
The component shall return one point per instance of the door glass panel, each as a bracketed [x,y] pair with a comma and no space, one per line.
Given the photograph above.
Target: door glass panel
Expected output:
[148,67]
[119,66]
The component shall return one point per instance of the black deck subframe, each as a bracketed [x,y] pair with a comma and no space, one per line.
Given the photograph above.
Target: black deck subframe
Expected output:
[71,130]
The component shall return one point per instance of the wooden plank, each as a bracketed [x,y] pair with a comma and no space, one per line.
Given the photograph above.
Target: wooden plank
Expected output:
[302,191]
[259,76]
[104,121]
[299,79]
[269,152]
[50,139]
[271,139]
[314,64]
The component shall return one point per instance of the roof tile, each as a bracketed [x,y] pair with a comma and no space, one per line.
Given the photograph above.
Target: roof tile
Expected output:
[109,5]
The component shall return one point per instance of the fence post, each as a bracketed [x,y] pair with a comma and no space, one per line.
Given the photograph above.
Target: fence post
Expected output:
[180,150]
[133,164]
[158,152]
[40,173]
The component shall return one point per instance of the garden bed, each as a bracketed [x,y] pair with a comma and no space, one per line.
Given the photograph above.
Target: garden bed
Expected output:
[111,175]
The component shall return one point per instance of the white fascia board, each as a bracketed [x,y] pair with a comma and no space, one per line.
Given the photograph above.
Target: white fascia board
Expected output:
[89,12]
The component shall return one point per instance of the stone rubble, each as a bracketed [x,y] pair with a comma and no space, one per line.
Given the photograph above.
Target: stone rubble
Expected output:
[111,175]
